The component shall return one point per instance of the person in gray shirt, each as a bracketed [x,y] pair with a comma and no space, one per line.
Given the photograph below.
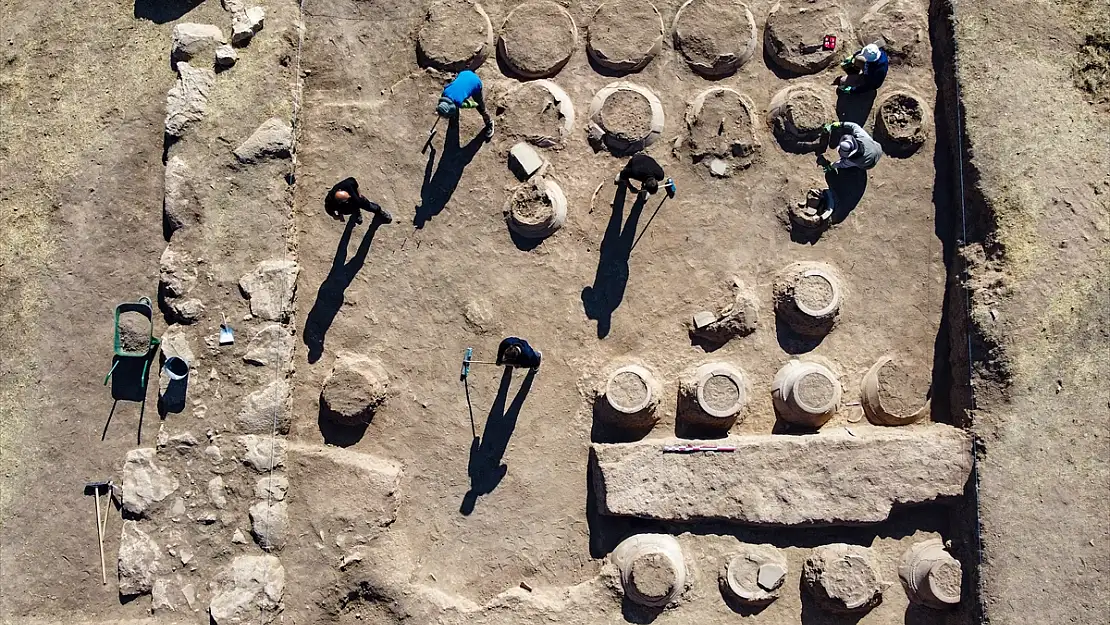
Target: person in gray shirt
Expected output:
[855,147]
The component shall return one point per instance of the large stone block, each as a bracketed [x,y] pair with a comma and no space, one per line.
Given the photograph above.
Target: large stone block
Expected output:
[830,478]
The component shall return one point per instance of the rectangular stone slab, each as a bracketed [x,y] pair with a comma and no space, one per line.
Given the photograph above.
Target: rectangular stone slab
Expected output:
[831,478]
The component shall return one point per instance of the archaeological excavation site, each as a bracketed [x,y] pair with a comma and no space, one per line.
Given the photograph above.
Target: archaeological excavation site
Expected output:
[259,365]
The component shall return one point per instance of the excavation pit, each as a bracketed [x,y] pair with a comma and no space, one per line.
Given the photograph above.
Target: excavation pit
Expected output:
[624,35]
[793,35]
[902,123]
[455,35]
[537,209]
[720,125]
[715,37]
[537,39]
[625,118]
[538,112]
[754,576]
[797,116]
[807,298]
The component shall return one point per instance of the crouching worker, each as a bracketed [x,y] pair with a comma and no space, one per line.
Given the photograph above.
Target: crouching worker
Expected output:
[646,171]
[464,92]
[514,352]
[866,70]
[855,147]
[344,199]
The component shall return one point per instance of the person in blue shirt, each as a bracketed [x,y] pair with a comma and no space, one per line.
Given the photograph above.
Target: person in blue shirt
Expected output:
[464,92]
[866,70]
[514,352]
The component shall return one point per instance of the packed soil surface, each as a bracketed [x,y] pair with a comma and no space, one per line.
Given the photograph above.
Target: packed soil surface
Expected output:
[794,32]
[537,38]
[134,332]
[652,575]
[851,580]
[723,128]
[797,122]
[627,389]
[531,205]
[624,32]
[720,392]
[627,115]
[813,292]
[814,390]
[714,33]
[452,33]
[902,390]
[947,578]
[530,113]
[902,119]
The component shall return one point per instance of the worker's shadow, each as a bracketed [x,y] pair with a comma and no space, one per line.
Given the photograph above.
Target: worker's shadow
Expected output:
[607,292]
[438,188]
[849,186]
[329,299]
[485,467]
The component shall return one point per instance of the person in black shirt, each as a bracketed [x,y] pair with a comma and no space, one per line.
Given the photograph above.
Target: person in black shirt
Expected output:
[514,352]
[645,170]
[344,199]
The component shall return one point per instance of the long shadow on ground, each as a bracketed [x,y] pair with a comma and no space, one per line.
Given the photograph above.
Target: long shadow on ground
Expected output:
[329,298]
[485,467]
[603,298]
[440,186]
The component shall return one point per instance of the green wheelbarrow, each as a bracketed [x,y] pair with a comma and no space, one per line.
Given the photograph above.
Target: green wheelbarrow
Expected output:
[134,340]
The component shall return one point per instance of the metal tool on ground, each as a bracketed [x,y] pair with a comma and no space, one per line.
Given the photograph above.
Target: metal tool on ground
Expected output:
[227,335]
[467,362]
[689,449]
[431,135]
[94,489]
[671,189]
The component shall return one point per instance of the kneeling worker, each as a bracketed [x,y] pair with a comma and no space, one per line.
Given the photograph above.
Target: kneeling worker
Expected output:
[866,70]
[644,170]
[464,92]
[344,199]
[515,352]
[855,147]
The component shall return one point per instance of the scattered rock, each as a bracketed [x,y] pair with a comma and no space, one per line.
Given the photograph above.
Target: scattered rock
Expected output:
[214,454]
[177,276]
[177,510]
[479,316]
[272,345]
[244,24]
[187,100]
[175,342]
[272,488]
[273,139]
[785,480]
[180,206]
[144,482]
[262,453]
[137,562]
[354,390]
[269,523]
[270,288]
[248,591]
[216,492]
[192,40]
[161,597]
[524,161]
[190,593]
[226,56]
[267,410]
[738,318]
[239,538]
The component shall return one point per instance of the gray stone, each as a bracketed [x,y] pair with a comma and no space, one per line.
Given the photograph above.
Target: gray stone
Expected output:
[271,346]
[137,561]
[192,40]
[187,100]
[144,482]
[175,342]
[177,510]
[740,317]
[177,273]
[266,410]
[245,24]
[217,492]
[238,538]
[273,139]
[703,319]
[213,454]
[270,287]
[249,590]
[269,524]
[226,56]
[190,593]
[770,576]
[262,453]
[272,488]
[830,478]
[718,168]
[233,6]
[524,161]
[180,205]
[161,596]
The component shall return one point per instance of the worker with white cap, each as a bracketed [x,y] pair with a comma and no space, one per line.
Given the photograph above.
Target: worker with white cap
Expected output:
[855,147]
[465,91]
[866,70]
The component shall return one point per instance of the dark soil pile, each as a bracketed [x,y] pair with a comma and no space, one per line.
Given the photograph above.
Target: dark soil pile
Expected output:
[902,120]
[537,39]
[134,332]
[626,115]
[1092,65]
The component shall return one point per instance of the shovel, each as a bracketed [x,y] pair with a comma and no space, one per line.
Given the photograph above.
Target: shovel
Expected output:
[431,135]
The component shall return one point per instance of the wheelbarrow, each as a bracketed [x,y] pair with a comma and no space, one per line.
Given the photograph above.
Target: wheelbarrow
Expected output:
[142,307]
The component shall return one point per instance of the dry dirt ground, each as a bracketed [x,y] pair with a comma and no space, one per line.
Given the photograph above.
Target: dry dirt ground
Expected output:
[494,487]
